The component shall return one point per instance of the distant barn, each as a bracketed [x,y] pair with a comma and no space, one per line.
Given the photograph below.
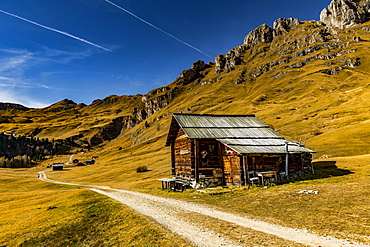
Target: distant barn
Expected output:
[57,166]
[214,150]
[90,162]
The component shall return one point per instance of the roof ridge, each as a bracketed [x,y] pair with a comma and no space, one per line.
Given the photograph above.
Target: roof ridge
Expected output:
[214,115]
[228,127]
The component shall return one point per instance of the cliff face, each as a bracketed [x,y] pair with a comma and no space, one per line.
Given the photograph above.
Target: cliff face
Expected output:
[262,34]
[346,13]
[108,132]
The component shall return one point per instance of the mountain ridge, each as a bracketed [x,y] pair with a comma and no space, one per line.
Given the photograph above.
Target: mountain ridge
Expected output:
[306,78]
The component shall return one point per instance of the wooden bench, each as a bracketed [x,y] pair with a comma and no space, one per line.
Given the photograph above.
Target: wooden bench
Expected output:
[175,184]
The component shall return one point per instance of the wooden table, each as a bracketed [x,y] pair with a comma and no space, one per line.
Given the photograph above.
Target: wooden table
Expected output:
[166,183]
[267,174]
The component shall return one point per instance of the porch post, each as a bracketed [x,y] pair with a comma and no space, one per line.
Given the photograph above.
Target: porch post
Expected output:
[286,159]
[173,159]
[196,154]
[245,166]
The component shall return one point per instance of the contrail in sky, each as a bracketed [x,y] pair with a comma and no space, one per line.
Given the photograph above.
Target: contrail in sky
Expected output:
[155,27]
[55,30]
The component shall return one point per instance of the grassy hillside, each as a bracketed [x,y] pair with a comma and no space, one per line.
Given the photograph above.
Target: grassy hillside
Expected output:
[315,90]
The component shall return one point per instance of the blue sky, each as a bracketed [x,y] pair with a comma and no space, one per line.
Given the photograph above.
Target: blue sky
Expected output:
[89,49]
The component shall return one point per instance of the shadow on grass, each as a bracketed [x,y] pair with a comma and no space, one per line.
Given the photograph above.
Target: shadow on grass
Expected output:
[324,169]
[143,171]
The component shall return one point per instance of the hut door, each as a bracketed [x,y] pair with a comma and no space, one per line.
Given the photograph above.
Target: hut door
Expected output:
[231,169]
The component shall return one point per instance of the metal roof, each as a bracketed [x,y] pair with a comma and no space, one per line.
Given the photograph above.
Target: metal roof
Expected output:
[57,164]
[264,146]
[254,142]
[229,133]
[218,121]
[242,133]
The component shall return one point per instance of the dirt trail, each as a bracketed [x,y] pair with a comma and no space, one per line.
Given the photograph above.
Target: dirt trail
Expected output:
[167,212]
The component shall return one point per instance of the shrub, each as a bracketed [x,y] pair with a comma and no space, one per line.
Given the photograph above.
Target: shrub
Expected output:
[142,169]
[317,132]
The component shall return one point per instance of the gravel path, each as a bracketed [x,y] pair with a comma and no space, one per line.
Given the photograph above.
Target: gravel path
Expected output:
[167,212]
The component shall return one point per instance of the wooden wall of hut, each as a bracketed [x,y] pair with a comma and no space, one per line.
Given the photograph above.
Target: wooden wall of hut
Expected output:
[183,152]
[231,164]
[307,163]
[296,164]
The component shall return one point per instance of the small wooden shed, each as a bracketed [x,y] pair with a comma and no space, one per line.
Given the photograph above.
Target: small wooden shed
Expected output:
[214,150]
[57,166]
[89,162]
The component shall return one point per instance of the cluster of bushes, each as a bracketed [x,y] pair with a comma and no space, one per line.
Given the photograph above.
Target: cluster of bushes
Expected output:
[22,151]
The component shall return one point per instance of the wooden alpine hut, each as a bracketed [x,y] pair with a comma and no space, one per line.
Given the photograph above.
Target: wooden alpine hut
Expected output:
[57,166]
[214,150]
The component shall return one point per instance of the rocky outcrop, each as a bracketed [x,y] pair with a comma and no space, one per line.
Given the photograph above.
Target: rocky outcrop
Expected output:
[107,100]
[220,61]
[230,60]
[283,25]
[262,34]
[155,102]
[130,122]
[346,13]
[340,13]
[156,91]
[189,75]
[6,106]
[108,132]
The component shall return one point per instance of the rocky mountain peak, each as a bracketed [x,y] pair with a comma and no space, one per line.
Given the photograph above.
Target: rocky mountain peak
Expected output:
[190,75]
[262,34]
[346,13]
[283,25]
[67,102]
[266,34]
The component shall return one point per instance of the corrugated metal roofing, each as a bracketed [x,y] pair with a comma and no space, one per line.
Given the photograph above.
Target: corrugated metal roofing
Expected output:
[245,133]
[218,121]
[263,146]
[254,142]
[242,133]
